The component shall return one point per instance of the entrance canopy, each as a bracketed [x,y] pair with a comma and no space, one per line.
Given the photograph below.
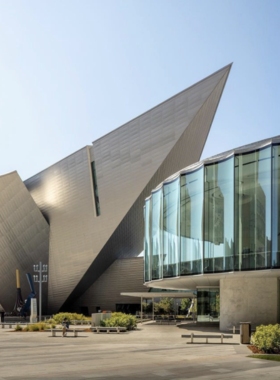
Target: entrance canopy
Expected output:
[160,294]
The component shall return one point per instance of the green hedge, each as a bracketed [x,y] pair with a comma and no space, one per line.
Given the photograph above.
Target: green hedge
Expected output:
[267,338]
[40,326]
[121,320]
[58,318]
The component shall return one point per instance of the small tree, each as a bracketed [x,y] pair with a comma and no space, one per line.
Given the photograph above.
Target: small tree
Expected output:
[147,307]
[166,305]
[185,304]
[157,308]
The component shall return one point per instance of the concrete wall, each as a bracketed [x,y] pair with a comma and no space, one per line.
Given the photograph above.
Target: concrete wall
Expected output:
[253,300]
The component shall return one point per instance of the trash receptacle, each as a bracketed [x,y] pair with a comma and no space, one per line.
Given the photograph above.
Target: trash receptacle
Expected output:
[245,332]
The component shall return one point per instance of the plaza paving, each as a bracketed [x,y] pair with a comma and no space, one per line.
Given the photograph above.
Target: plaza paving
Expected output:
[151,352]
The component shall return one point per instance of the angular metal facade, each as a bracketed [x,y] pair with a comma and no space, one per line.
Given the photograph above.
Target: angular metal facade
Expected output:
[129,163]
[24,238]
[105,293]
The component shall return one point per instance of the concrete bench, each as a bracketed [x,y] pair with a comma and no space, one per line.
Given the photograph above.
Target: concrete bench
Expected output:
[207,336]
[11,324]
[75,331]
[99,329]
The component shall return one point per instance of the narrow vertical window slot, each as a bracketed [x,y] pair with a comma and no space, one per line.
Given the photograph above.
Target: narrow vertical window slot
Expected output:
[95,189]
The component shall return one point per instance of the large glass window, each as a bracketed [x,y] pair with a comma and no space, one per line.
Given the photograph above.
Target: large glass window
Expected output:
[171,229]
[157,235]
[276,207]
[147,242]
[208,305]
[218,217]
[253,210]
[191,222]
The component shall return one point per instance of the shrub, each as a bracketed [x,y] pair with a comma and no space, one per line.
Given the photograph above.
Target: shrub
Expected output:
[41,326]
[50,321]
[34,327]
[267,338]
[18,328]
[58,318]
[121,320]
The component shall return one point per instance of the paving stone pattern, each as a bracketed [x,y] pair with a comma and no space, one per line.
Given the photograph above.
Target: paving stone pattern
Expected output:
[152,352]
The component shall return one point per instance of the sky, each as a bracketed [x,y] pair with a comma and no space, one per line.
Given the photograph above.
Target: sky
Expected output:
[72,71]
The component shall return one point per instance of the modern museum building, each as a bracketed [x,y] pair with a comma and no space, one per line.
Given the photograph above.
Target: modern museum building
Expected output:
[209,226]
[214,227]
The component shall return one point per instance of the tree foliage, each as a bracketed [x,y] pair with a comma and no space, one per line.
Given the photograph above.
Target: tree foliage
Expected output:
[185,304]
[147,307]
[164,306]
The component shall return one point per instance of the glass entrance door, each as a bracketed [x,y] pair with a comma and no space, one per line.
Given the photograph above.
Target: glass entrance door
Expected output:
[208,305]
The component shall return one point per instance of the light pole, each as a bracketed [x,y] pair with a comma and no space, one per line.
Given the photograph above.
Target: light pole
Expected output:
[41,278]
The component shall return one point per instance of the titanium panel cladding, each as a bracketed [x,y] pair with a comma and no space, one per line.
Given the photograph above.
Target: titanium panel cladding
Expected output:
[24,238]
[128,162]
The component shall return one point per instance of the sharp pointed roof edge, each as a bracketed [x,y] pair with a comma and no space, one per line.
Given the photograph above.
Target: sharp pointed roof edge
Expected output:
[225,68]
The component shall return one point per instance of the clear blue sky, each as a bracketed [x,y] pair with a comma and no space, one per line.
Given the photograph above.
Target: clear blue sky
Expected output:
[72,71]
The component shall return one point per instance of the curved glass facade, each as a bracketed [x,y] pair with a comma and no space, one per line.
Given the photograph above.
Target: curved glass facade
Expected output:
[220,215]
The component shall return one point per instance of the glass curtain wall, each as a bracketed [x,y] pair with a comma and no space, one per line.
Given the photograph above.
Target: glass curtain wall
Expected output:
[219,217]
[276,206]
[191,224]
[156,225]
[225,216]
[253,210]
[171,229]
[147,241]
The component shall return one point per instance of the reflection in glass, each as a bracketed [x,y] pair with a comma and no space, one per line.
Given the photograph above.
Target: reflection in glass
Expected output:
[191,222]
[276,207]
[228,218]
[218,218]
[157,235]
[171,232]
[253,210]
[147,245]
[208,305]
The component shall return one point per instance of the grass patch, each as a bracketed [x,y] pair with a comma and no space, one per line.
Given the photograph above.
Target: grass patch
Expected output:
[275,358]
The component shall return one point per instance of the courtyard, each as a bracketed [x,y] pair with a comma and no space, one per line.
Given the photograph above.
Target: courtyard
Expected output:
[150,352]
